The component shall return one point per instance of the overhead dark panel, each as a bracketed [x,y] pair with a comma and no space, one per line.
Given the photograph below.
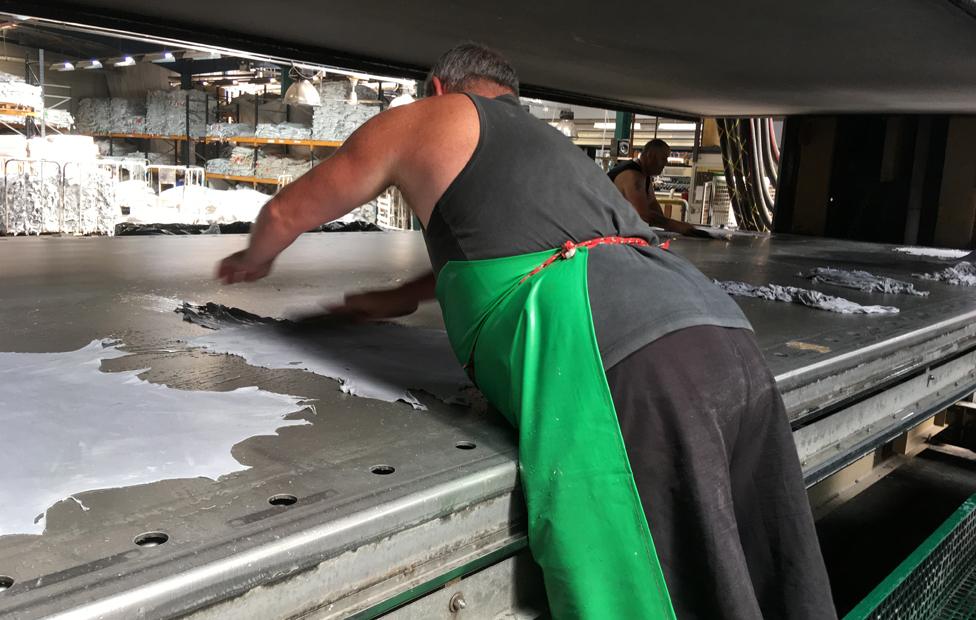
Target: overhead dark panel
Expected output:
[711,57]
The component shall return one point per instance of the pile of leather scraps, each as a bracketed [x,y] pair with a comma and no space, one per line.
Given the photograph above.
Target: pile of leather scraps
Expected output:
[862,281]
[962,273]
[802,296]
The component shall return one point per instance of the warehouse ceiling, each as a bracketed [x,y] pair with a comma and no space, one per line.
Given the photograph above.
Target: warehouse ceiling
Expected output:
[712,57]
[69,44]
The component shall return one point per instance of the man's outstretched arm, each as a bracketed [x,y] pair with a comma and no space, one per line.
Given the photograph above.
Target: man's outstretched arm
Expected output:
[632,186]
[656,217]
[357,173]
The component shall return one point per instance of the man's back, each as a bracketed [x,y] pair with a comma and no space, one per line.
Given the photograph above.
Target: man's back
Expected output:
[629,169]
[526,188]
[685,438]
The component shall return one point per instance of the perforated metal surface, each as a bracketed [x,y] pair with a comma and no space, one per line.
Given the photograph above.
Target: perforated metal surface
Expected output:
[962,604]
[937,582]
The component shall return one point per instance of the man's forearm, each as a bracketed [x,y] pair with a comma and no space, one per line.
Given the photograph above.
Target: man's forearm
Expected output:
[665,222]
[422,288]
[311,200]
[676,226]
[354,175]
[272,232]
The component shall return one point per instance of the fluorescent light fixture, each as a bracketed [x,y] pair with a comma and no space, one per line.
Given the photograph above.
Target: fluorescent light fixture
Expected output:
[200,55]
[62,66]
[122,61]
[606,125]
[160,57]
[302,93]
[676,127]
[89,64]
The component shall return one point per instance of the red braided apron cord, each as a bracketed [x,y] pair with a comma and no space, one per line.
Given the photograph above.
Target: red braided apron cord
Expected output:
[569,249]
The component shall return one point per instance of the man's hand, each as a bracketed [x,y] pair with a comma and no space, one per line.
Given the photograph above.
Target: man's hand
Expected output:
[238,267]
[694,231]
[376,305]
[386,304]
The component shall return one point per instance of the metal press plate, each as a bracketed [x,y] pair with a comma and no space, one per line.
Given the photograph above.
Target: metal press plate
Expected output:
[823,360]
[58,294]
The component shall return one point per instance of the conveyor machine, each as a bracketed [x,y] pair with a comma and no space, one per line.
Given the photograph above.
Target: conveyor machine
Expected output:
[443,534]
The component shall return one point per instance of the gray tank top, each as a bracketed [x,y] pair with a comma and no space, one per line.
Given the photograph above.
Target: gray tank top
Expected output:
[527,188]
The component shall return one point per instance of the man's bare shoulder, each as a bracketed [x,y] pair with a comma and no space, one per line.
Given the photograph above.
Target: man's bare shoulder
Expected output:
[630,173]
[628,177]
[421,114]
[430,105]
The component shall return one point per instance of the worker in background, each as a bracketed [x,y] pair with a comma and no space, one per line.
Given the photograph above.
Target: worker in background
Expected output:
[634,178]
[656,461]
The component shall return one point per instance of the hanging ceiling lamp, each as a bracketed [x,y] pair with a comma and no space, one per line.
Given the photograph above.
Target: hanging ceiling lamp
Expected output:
[302,92]
[62,66]
[89,64]
[567,124]
[405,97]
[400,100]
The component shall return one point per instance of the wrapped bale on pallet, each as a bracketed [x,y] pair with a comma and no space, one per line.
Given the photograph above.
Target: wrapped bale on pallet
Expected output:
[229,130]
[90,201]
[336,118]
[31,195]
[288,131]
[58,118]
[114,115]
[166,112]
[240,162]
[16,93]
[127,115]
[62,187]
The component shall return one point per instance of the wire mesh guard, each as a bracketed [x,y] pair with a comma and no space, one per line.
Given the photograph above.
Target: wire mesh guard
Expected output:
[937,581]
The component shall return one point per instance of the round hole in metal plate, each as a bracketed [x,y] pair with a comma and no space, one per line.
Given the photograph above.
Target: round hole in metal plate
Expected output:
[382,470]
[465,445]
[282,499]
[5,582]
[151,539]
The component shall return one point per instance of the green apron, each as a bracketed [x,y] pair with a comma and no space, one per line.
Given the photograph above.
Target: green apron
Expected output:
[531,349]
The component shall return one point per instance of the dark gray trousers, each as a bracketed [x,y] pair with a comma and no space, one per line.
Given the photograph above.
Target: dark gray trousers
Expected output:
[718,475]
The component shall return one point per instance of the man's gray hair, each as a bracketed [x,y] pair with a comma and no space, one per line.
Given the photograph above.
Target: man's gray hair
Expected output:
[459,67]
